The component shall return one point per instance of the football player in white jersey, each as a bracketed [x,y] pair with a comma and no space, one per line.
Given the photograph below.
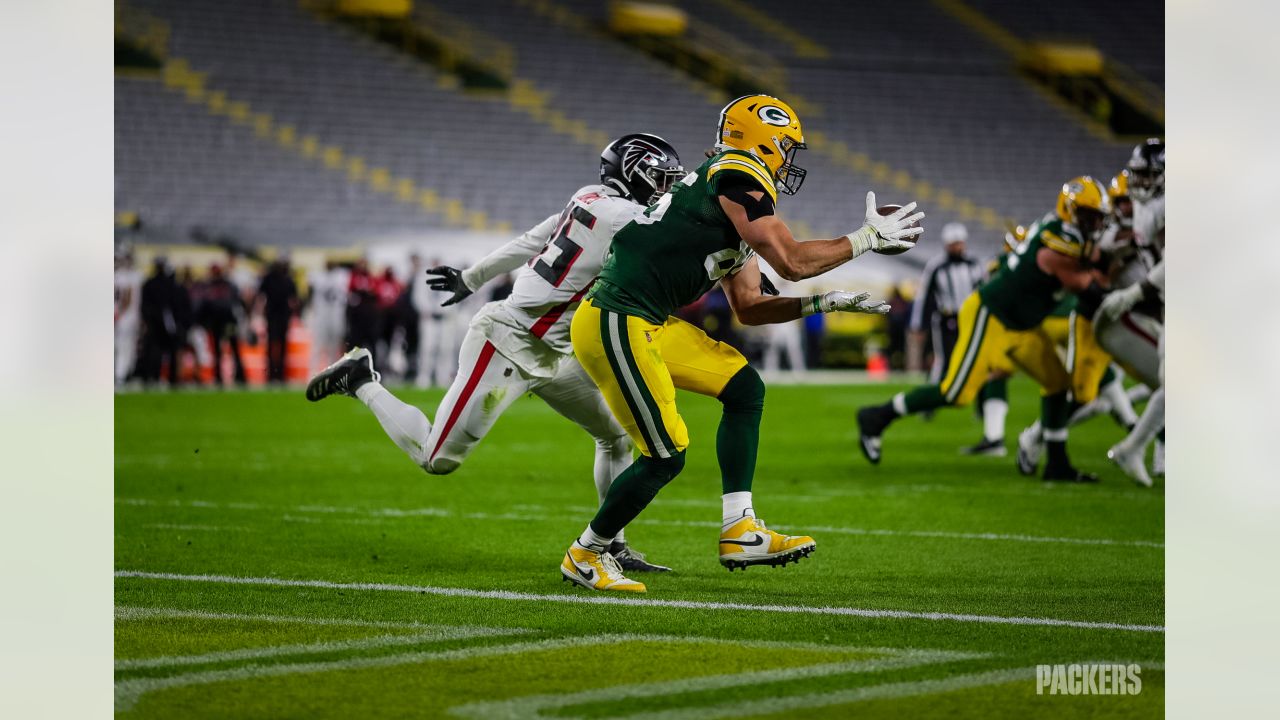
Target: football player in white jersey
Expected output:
[128,290]
[1130,322]
[521,344]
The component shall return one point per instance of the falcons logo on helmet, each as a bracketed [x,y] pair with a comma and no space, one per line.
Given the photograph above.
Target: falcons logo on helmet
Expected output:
[637,152]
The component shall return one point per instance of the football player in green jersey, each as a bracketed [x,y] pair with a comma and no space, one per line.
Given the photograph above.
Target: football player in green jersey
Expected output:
[707,230]
[1001,324]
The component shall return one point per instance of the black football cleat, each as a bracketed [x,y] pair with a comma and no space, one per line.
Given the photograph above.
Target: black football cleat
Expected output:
[631,560]
[987,448]
[872,422]
[343,377]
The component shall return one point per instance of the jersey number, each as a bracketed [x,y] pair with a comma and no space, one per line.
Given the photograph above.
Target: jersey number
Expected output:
[558,256]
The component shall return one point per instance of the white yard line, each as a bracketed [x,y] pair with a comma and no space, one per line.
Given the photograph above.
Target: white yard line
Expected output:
[770,706]
[644,602]
[130,613]
[209,528]
[370,513]
[437,634]
[127,692]
[533,706]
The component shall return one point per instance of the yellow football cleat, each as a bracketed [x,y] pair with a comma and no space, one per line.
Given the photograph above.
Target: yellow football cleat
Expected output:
[748,542]
[596,571]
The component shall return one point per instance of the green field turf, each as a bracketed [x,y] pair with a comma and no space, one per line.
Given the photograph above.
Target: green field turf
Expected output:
[424,596]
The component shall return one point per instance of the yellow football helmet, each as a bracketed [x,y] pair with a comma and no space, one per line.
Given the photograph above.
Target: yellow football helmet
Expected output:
[769,129]
[1082,198]
[1121,202]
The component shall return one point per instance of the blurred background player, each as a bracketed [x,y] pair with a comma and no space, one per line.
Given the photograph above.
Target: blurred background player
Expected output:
[521,344]
[784,337]
[1001,323]
[327,298]
[128,317]
[221,313]
[435,341]
[278,302]
[161,334]
[947,280]
[707,231]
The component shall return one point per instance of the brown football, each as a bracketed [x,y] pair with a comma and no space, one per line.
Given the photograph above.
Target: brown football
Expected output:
[889,210]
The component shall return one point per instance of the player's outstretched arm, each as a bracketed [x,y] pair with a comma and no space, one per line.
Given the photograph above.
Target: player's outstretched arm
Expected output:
[752,306]
[752,215]
[499,262]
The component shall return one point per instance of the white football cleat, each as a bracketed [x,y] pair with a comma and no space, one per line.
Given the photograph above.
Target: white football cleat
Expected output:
[1030,448]
[1131,463]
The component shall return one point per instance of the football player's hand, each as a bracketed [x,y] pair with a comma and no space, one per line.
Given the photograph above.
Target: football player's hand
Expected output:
[1120,302]
[447,279]
[886,232]
[839,301]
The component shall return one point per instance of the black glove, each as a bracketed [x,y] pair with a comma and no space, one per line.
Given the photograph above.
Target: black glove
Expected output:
[767,287]
[448,279]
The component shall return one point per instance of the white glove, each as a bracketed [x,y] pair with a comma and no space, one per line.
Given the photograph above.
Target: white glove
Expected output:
[885,232]
[838,301]
[1120,302]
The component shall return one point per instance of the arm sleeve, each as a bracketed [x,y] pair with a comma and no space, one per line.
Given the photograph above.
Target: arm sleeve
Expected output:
[922,299]
[1156,278]
[512,255]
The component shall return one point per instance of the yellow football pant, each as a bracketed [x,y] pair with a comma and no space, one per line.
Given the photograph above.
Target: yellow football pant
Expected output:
[1086,361]
[985,345]
[638,365]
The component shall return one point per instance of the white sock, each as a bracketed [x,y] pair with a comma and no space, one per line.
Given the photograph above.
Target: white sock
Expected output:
[900,404]
[589,540]
[994,412]
[1120,405]
[1034,431]
[405,424]
[1149,424]
[1138,393]
[736,504]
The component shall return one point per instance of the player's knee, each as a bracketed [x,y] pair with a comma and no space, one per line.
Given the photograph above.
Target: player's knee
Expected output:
[665,469]
[744,393]
[614,444]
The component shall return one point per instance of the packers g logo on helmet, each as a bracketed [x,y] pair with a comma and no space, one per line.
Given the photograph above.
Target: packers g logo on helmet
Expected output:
[767,128]
[774,115]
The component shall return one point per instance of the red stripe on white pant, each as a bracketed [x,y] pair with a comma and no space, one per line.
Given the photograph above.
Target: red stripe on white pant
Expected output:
[482,363]
[1136,329]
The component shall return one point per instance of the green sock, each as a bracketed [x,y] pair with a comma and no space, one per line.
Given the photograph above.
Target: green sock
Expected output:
[997,389]
[738,439]
[633,490]
[925,397]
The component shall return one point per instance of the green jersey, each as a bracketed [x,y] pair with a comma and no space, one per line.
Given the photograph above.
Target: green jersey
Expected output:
[681,246]
[1020,294]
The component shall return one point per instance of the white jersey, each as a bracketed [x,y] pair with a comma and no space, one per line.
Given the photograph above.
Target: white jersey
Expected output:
[558,260]
[329,294]
[128,289]
[1138,253]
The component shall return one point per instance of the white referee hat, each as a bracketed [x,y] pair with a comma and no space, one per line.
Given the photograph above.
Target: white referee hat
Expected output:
[954,232]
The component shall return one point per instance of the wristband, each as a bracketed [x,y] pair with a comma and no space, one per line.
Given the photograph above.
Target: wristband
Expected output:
[810,305]
[862,239]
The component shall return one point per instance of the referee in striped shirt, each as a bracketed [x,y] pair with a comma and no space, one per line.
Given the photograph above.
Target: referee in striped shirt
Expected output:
[947,280]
